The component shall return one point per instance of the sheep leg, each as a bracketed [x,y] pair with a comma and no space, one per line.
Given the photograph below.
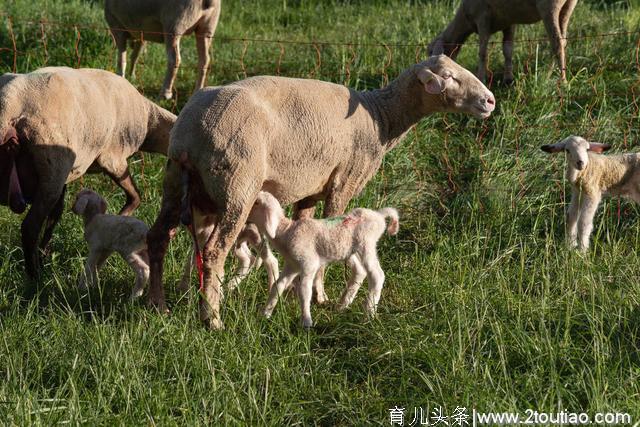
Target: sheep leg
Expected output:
[52,221]
[95,260]
[203,43]
[507,51]
[572,220]
[138,44]
[565,14]
[220,242]
[283,282]
[118,171]
[375,277]
[552,25]
[44,203]
[270,264]
[588,209]
[304,294]
[246,260]
[172,42]
[139,262]
[183,286]
[306,208]
[159,234]
[484,33]
[358,274]
[120,37]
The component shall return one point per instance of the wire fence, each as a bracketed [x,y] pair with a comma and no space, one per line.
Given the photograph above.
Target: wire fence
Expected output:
[30,44]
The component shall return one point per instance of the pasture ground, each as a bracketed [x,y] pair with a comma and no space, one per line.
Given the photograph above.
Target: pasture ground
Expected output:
[483,307]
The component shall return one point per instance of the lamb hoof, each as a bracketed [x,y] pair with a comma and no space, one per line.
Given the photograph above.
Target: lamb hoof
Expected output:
[166,94]
[213,324]
[266,313]
[322,299]
[341,307]
[307,324]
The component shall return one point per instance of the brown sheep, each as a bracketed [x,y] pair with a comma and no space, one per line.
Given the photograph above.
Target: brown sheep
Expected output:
[58,123]
[301,140]
[163,22]
[486,17]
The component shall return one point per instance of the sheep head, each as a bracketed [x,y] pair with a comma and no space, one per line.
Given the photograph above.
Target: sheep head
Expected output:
[576,148]
[448,87]
[89,203]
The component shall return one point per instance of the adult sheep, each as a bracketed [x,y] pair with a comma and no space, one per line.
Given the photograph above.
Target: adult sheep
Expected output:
[56,124]
[165,22]
[301,140]
[486,17]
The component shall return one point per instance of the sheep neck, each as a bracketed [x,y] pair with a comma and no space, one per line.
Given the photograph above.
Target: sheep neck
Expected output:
[458,30]
[89,215]
[395,108]
[601,173]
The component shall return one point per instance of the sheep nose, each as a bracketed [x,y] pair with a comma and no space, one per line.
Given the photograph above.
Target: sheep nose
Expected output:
[490,102]
[580,164]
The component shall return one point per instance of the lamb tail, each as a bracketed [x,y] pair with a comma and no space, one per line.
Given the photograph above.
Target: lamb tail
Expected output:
[394,224]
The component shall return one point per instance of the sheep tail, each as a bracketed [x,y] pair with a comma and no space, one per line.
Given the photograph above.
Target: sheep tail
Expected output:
[394,224]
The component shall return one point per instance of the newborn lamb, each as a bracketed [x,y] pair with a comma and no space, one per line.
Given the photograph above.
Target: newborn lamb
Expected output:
[309,244]
[593,175]
[106,234]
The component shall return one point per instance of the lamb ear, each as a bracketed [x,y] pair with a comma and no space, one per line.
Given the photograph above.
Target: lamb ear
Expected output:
[597,147]
[80,205]
[103,206]
[433,83]
[553,148]
[271,223]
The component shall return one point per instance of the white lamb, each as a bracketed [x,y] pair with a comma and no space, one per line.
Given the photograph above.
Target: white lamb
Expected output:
[308,244]
[106,234]
[593,175]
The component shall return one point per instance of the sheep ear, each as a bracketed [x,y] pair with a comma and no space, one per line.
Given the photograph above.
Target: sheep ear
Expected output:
[103,206]
[596,147]
[553,148]
[433,83]
[80,205]
[271,223]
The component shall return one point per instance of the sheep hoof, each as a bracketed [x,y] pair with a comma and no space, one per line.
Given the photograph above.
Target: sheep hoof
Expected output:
[166,94]
[267,313]
[214,324]
[508,81]
[322,299]
[159,306]
[307,324]
[341,307]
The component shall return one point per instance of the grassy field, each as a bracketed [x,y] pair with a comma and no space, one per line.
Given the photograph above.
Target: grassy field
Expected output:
[484,307]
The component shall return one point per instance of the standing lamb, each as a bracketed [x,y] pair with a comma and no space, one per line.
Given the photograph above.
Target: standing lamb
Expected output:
[106,234]
[301,140]
[309,244]
[593,175]
[58,123]
[486,17]
[163,22]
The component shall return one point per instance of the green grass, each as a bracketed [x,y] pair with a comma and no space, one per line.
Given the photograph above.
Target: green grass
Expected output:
[483,307]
